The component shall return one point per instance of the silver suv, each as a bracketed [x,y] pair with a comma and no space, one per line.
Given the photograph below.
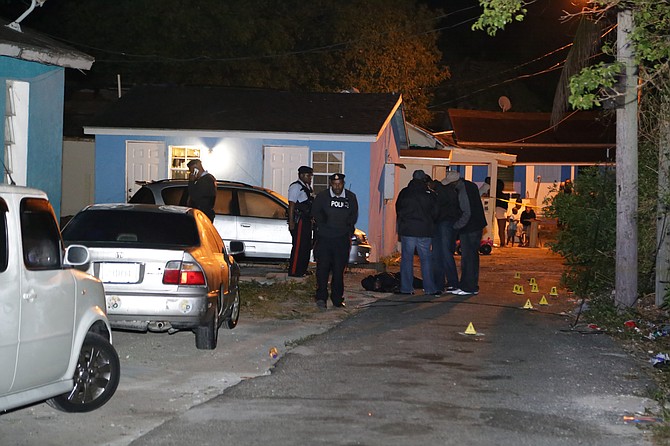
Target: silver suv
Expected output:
[55,336]
[253,215]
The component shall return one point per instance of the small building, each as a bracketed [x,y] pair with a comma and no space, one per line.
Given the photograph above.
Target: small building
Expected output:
[259,137]
[32,71]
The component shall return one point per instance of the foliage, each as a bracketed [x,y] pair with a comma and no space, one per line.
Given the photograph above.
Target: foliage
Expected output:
[323,45]
[587,219]
[498,13]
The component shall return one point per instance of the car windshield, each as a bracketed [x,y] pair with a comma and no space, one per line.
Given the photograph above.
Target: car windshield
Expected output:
[124,227]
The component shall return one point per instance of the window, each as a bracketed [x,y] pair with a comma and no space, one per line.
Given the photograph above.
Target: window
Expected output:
[4,246]
[179,158]
[324,165]
[41,240]
[254,204]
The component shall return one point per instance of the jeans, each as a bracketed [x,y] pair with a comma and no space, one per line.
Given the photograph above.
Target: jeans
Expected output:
[422,245]
[444,245]
[470,260]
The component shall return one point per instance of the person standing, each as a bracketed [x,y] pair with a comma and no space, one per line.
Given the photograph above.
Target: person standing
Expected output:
[201,188]
[470,226]
[300,198]
[416,211]
[501,211]
[335,212]
[444,241]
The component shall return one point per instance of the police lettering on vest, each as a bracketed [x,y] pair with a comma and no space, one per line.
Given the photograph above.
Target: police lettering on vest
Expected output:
[339,204]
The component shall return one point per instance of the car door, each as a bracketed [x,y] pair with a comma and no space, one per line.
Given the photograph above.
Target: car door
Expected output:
[225,220]
[9,301]
[262,225]
[47,299]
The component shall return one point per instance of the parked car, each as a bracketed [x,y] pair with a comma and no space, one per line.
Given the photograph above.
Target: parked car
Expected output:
[253,215]
[55,339]
[165,268]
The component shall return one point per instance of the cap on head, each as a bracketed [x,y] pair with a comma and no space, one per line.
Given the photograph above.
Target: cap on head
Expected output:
[419,175]
[337,176]
[452,175]
[305,169]
[193,162]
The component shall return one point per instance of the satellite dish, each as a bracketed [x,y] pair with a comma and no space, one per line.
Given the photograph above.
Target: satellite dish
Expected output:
[504,103]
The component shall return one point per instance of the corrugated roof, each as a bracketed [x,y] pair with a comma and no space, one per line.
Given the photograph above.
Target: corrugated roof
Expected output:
[248,110]
[35,47]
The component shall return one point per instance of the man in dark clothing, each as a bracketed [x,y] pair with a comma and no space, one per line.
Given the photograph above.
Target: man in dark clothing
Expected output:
[335,213]
[416,212]
[444,241]
[201,188]
[300,198]
[470,226]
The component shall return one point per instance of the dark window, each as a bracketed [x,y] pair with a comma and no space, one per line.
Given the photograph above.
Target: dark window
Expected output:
[175,196]
[39,231]
[254,204]
[119,227]
[4,245]
[144,195]
[224,202]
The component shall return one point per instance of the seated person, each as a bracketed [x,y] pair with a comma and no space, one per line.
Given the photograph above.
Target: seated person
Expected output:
[527,216]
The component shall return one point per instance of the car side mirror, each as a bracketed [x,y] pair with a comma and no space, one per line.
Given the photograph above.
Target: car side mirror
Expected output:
[236,247]
[76,255]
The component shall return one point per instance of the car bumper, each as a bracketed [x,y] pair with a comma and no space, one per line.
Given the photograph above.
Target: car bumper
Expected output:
[153,312]
[359,253]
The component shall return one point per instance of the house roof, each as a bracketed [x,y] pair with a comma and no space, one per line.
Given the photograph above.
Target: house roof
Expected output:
[580,138]
[247,110]
[35,47]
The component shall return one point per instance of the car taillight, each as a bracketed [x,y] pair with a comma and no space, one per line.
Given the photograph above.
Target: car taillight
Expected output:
[183,273]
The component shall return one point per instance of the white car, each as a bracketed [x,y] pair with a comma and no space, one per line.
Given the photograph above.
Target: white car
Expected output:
[55,339]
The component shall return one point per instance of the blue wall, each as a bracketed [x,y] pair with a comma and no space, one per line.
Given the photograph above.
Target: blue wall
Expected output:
[246,163]
[45,122]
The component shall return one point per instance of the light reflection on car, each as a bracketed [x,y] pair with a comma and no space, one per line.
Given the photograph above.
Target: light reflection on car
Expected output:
[164,268]
[253,215]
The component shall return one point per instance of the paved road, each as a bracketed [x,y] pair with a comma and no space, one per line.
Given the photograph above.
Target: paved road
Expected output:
[404,373]
[399,371]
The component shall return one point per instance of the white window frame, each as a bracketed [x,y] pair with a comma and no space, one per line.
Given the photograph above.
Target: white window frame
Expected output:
[324,169]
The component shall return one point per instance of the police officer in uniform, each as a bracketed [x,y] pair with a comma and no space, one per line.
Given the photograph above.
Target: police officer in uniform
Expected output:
[300,197]
[335,212]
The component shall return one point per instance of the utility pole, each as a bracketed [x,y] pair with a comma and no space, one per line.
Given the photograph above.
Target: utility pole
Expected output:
[626,170]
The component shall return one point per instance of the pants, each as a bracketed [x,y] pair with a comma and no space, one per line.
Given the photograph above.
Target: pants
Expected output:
[332,256]
[302,246]
[444,245]
[470,260]
[422,245]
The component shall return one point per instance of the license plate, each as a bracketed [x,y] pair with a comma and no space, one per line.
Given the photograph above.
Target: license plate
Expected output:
[120,272]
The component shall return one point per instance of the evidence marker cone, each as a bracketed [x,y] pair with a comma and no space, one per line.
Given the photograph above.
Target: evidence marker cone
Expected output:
[532,281]
[517,275]
[470,330]
[553,291]
[515,290]
[521,290]
[528,306]
[543,301]
[534,288]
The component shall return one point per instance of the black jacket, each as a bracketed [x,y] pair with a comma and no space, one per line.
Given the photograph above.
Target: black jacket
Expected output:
[416,210]
[335,216]
[473,217]
[202,194]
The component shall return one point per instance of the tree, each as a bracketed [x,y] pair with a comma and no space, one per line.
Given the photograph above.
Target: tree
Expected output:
[323,45]
[651,49]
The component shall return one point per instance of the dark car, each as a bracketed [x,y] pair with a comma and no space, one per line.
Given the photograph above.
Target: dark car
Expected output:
[253,215]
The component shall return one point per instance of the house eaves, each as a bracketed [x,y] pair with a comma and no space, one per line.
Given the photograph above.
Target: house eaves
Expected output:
[35,47]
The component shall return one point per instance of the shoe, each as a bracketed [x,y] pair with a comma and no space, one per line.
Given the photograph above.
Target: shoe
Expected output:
[321,304]
[452,290]
[465,293]
[435,293]
[340,305]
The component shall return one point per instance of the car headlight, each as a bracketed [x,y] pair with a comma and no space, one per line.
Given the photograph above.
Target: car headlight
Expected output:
[359,237]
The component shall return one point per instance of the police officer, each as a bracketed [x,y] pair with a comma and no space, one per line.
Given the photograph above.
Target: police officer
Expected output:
[300,197]
[335,212]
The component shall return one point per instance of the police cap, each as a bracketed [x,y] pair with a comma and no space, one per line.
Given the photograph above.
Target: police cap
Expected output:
[337,176]
[305,169]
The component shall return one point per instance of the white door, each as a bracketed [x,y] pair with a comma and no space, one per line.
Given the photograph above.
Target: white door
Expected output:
[280,166]
[144,162]
[10,300]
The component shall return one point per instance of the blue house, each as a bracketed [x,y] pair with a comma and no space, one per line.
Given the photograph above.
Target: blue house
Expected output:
[258,137]
[32,73]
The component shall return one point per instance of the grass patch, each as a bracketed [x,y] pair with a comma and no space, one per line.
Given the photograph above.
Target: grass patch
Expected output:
[291,299]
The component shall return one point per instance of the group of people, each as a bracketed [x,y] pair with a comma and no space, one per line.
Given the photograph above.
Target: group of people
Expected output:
[431,216]
[325,222]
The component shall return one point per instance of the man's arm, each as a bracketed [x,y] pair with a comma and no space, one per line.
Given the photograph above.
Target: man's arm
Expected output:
[291,215]
[464,204]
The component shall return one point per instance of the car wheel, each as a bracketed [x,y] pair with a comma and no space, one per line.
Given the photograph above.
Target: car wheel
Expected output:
[231,320]
[95,377]
[206,336]
[485,249]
